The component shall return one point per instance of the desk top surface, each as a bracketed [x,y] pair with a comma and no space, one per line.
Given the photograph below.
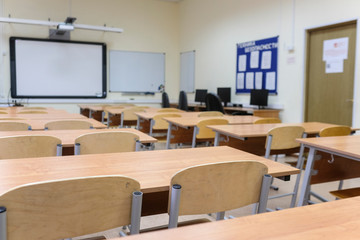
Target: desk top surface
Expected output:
[39,124]
[331,220]
[153,169]
[53,116]
[68,137]
[190,121]
[261,130]
[346,145]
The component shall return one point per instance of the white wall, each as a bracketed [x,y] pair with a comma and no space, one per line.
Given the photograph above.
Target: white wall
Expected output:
[213,27]
[149,26]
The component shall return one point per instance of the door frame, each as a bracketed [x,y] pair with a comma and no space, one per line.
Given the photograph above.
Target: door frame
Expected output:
[356,91]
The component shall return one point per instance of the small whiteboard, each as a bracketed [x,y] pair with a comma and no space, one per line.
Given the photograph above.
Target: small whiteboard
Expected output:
[141,72]
[187,71]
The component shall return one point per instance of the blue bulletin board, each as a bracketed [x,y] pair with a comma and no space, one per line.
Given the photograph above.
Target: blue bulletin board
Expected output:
[256,65]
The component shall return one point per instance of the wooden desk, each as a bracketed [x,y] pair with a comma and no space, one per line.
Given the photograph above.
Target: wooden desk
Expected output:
[116,116]
[153,169]
[251,138]
[181,130]
[39,124]
[48,116]
[347,147]
[68,137]
[332,220]
[16,110]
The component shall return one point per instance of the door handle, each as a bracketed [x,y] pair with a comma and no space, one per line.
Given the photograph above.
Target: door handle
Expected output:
[349,100]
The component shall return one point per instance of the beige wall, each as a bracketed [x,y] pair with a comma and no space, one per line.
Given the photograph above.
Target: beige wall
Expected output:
[211,27]
[149,26]
[214,30]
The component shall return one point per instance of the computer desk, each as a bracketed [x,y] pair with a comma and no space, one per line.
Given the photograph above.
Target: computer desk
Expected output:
[331,220]
[68,137]
[344,146]
[266,112]
[39,124]
[153,169]
[181,130]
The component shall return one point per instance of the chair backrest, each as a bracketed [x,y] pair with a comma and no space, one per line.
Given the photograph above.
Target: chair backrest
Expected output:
[266,120]
[14,126]
[219,187]
[28,146]
[169,110]
[32,112]
[129,113]
[68,125]
[69,207]
[210,114]
[183,103]
[11,118]
[213,103]
[335,131]
[160,123]
[106,142]
[284,137]
[3,112]
[34,108]
[205,132]
[165,103]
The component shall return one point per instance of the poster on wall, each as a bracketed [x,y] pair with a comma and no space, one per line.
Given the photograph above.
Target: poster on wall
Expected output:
[256,65]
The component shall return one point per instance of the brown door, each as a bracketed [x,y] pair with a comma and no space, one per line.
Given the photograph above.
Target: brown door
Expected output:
[329,96]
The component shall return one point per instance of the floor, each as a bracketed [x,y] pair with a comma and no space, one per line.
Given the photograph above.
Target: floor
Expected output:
[282,203]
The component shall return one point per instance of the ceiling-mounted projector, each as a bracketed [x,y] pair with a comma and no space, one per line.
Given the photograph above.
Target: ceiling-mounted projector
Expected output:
[65,27]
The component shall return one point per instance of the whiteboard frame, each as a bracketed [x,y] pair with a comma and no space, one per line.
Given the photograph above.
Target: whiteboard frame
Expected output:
[13,82]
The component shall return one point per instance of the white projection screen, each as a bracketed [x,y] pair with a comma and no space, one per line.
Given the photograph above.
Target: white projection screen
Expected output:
[42,68]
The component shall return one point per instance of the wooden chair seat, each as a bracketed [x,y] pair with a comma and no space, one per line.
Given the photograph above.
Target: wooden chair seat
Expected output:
[29,146]
[106,142]
[346,193]
[70,207]
[14,126]
[217,188]
[68,125]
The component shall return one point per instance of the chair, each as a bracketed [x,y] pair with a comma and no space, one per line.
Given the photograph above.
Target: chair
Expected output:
[14,126]
[280,139]
[158,123]
[34,108]
[32,112]
[72,207]
[203,133]
[213,103]
[128,116]
[29,146]
[183,103]
[3,112]
[335,131]
[169,110]
[218,187]
[266,120]
[106,142]
[210,114]
[165,103]
[68,125]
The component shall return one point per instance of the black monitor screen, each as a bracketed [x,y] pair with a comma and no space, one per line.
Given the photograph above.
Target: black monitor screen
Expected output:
[259,97]
[200,95]
[224,94]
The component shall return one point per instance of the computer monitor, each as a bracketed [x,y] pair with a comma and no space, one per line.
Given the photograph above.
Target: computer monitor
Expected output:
[259,97]
[225,95]
[200,95]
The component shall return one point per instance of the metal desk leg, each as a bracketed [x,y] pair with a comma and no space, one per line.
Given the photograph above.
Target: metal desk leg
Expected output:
[122,120]
[217,139]
[168,137]
[306,181]
[90,113]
